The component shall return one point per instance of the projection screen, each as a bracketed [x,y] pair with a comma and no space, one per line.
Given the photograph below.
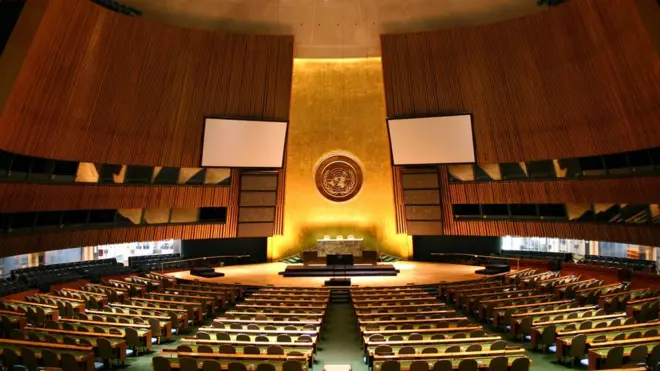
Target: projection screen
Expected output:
[243,143]
[432,140]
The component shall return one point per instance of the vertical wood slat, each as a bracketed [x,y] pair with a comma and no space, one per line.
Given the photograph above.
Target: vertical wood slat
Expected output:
[591,86]
[21,244]
[399,204]
[98,86]
[638,190]
[17,197]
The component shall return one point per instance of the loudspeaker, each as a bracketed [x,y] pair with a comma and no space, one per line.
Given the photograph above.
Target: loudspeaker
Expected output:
[338,282]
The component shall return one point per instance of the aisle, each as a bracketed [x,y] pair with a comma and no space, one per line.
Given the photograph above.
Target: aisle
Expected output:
[340,343]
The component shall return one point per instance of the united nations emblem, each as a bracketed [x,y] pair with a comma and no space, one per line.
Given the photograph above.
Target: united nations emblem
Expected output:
[338,178]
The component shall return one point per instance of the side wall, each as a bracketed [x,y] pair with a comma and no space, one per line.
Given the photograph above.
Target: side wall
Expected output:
[80,82]
[589,86]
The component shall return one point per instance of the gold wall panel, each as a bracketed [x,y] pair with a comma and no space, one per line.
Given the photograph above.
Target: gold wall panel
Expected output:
[338,106]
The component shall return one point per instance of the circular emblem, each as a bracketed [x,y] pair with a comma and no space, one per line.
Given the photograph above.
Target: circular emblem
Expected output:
[338,178]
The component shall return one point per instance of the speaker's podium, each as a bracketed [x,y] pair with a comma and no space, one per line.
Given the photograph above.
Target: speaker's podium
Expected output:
[339,259]
[339,265]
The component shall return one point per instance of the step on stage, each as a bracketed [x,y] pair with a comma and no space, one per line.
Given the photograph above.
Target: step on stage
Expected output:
[324,270]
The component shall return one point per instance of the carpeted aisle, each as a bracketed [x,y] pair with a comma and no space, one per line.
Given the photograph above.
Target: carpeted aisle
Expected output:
[340,343]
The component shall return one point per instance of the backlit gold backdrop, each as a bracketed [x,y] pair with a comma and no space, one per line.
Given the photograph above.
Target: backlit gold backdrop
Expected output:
[338,106]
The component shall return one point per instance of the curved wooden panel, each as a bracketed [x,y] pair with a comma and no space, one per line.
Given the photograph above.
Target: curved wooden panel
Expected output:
[579,80]
[102,87]
[16,197]
[23,244]
[642,190]
[645,235]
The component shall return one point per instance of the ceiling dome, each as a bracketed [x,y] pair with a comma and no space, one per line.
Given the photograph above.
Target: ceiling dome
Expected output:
[332,28]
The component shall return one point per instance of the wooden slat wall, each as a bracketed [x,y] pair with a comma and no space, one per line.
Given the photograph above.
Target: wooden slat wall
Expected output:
[98,86]
[581,79]
[16,197]
[399,204]
[645,235]
[578,80]
[22,244]
[642,190]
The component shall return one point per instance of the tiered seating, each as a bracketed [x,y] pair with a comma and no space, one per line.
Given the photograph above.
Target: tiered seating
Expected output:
[430,335]
[280,328]
[579,319]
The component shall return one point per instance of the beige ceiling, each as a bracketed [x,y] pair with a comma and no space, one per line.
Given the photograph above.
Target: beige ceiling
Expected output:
[332,28]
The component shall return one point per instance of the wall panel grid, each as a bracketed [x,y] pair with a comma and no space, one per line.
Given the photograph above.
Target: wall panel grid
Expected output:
[102,87]
[258,203]
[589,87]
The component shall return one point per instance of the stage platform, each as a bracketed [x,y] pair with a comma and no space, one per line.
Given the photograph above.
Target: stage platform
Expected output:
[409,272]
[322,270]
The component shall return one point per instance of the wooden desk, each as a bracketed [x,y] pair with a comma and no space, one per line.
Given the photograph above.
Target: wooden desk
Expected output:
[117,342]
[517,318]
[91,293]
[597,353]
[292,346]
[483,363]
[17,318]
[537,328]
[194,308]
[221,298]
[448,312]
[260,331]
[438,330]
[51,311]
[265,357]
[417,300]
[279,300]
[250,305]
[143,334]
[166,330]
[209,302]
[316,322]
[128,315]
[603,299]
[499,313]
[484,339]
[431,305]
[84,354]
[564,342]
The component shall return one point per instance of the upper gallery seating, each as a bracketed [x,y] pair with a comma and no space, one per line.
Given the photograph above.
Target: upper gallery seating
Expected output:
[605,261]
[148,263]
[51,274]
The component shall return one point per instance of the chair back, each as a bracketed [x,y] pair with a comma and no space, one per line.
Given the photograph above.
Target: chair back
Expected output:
[187,364]
[390,366]
[236,366]
[211,365]
[275,349]
[291,366]
[69,362]
[498,364]
[29,359]
[419,366]
[639,354]
[468,365]
[614,358]
[49,358]
[520,364]
[161,364]
[227,349]
[443,365]
[265,367]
